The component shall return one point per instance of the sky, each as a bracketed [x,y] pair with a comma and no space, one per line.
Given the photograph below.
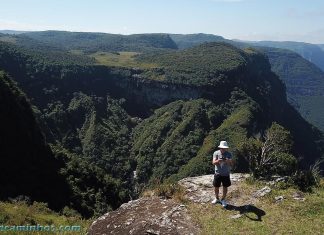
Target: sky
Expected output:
[279,20]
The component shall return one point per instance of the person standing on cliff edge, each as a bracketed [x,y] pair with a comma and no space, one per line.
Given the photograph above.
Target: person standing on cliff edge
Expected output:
[222,159]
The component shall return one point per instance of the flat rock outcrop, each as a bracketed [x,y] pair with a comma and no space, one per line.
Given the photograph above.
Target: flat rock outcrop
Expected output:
[148,215]
[200,189]
[156,215]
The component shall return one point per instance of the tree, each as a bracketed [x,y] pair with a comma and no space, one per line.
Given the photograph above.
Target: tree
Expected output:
[272,156]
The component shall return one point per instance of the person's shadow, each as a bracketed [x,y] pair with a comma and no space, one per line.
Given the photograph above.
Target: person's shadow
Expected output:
[247,209]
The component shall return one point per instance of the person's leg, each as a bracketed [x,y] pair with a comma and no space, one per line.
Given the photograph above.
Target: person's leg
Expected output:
[224,193]
[226,182]
[217,192]
[216,184]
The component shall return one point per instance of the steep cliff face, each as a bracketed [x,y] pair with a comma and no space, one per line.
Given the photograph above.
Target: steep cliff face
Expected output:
[304,82]
[251,77]
[213,80]
[310,52]
[28,166]
[211,71]
[107,122]
[299,65]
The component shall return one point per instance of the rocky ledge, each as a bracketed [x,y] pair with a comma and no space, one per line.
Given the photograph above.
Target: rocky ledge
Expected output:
[200,189]
[155,215]
[148,215]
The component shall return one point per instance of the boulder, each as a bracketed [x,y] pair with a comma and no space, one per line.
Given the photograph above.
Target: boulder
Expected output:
[151,215]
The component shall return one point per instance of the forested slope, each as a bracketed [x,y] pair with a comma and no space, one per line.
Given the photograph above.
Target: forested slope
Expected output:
[106,122]
[28,167]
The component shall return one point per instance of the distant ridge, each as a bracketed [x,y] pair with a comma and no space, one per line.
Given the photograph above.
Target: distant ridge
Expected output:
[311,52]
[300,65]
[188,40]
[93,42]
[12,32]
[106,122]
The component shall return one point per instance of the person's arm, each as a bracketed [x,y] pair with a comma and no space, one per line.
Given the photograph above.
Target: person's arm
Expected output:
[215,160]
[230,161]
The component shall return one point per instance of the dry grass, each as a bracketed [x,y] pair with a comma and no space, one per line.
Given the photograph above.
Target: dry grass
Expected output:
[21,214]
[167,190]
[120,59]
[287,217]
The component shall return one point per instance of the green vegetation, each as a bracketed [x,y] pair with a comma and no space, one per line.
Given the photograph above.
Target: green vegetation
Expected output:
[89,136]
[184,41]
[22,214]
[301,76]
[95,146]
[171,137]
[302,71]
[27,162]
[207,64]
[310,52]
[93,42]
[103,123]
[235,127]
[5,38]
[273,156]
[120,59]
[304,82]
[40,58]
[312,109]
[288,216]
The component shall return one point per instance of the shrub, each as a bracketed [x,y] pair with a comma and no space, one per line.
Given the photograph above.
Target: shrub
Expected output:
[316,171]
[69,212]
[272,156]
[166,190]
[304,180]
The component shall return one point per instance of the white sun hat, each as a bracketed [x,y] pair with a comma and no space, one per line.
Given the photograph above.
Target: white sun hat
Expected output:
[223,145]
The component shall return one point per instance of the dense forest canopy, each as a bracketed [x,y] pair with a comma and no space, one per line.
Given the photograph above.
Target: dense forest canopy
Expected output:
[92,42]
[184,41]
[28,166]
[114,130]
[202,65]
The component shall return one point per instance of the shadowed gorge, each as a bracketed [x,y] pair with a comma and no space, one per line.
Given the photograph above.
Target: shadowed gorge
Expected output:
[103,122]
[28,166]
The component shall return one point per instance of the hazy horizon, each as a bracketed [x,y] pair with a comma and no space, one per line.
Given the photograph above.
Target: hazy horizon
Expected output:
[252,20]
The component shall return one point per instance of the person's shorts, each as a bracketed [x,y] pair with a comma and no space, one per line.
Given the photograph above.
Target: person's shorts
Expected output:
[221,180]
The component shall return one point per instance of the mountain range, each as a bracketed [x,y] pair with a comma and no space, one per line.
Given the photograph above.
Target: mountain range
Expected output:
[302,69]
[107,131]
[307,100]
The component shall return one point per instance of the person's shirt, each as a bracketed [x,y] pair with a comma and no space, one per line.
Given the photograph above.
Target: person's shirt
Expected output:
[222,168]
